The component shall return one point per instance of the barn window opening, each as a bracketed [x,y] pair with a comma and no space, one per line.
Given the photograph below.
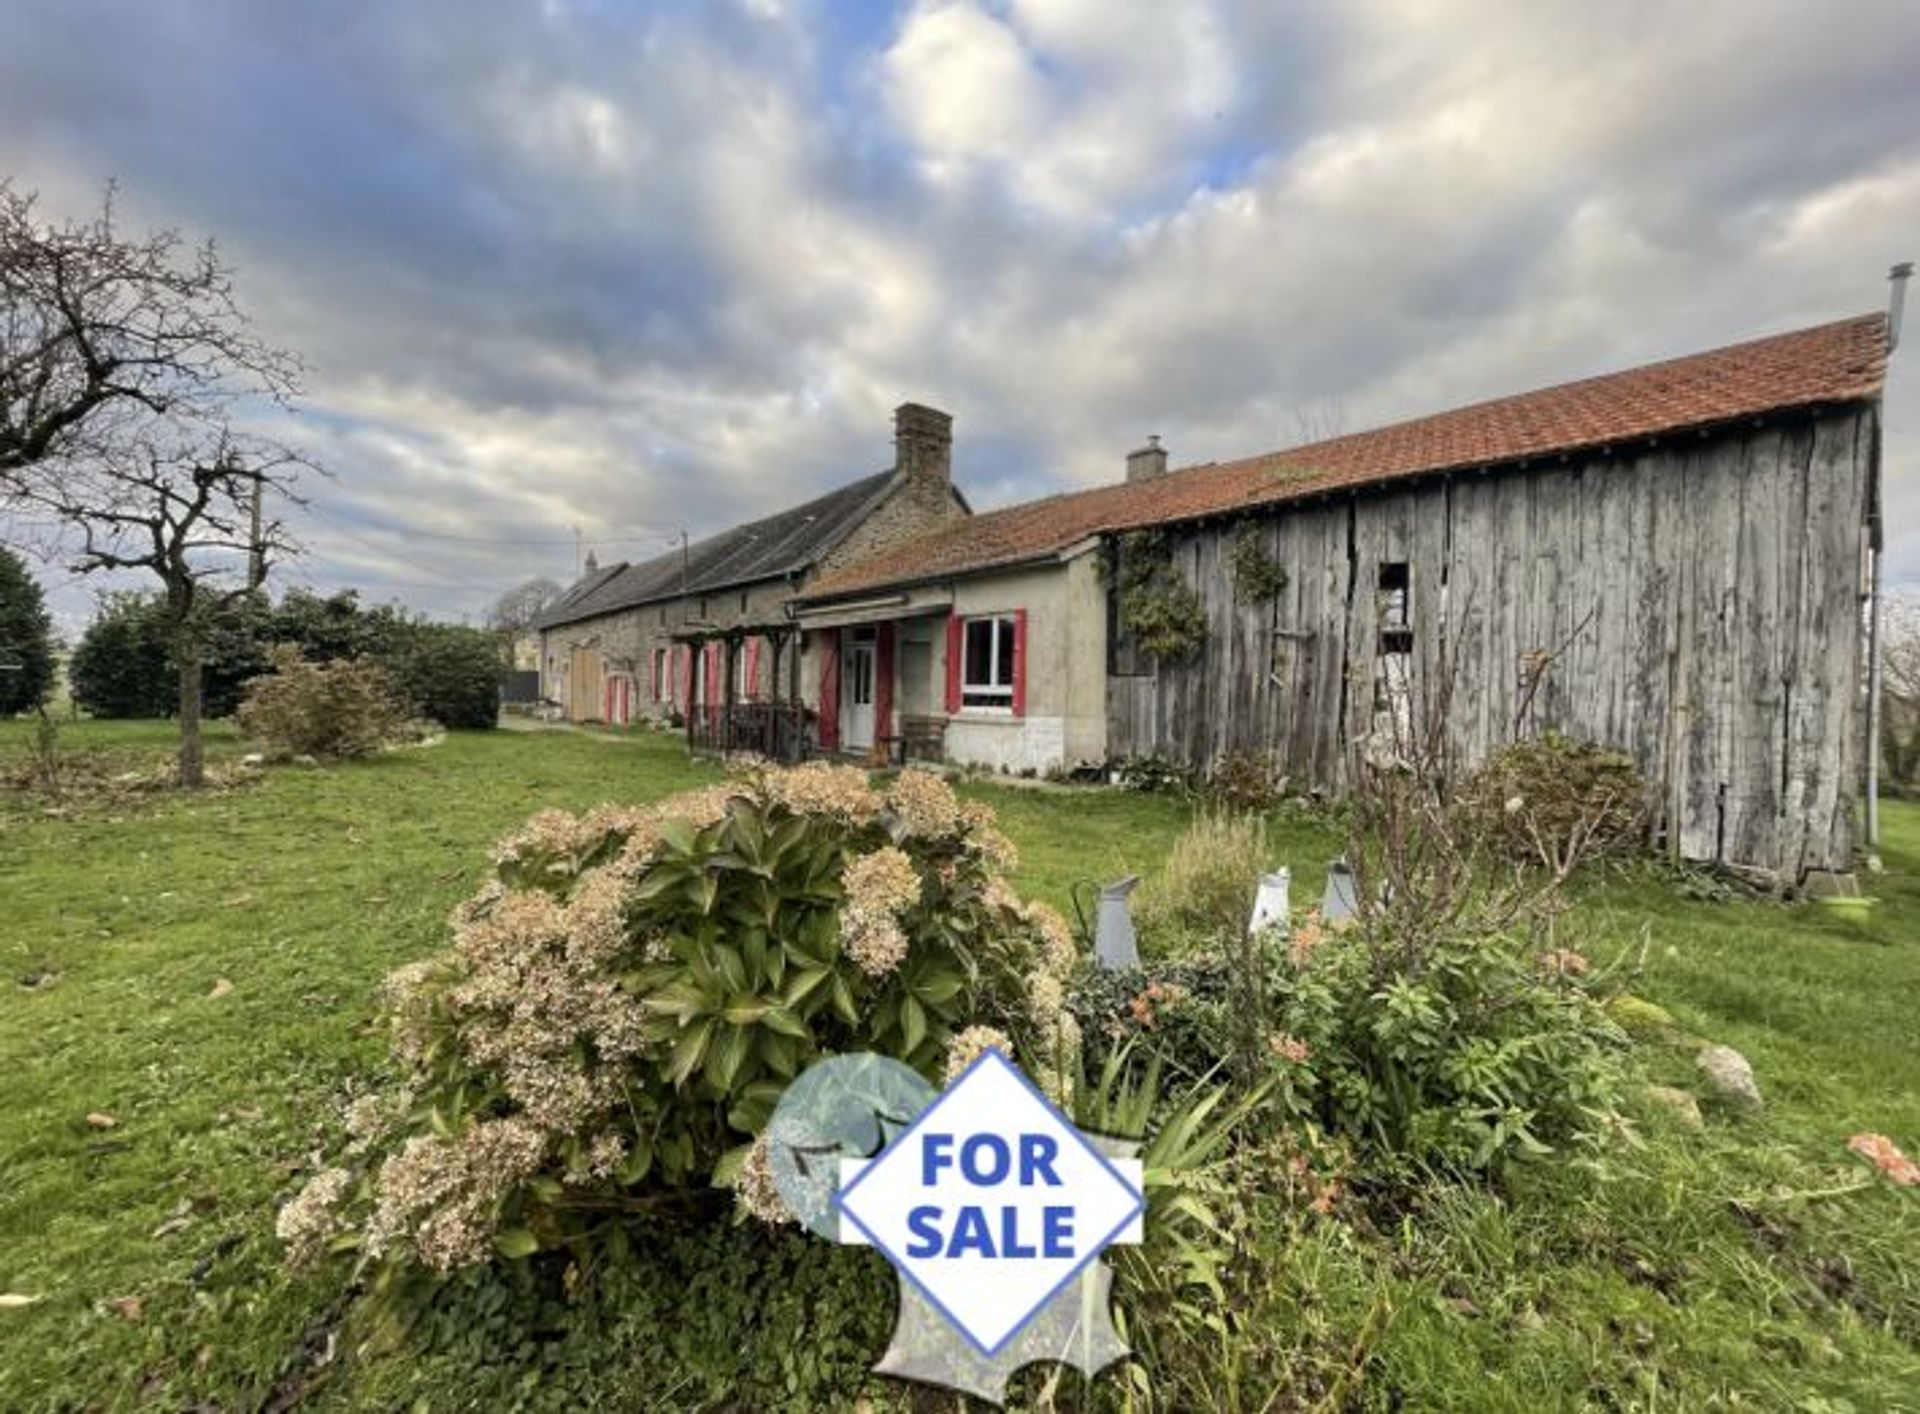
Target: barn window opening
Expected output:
[1393,677]
[1394,602]
[988,663]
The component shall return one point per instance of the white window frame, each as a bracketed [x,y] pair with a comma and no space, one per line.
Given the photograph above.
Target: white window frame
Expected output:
[1000,695]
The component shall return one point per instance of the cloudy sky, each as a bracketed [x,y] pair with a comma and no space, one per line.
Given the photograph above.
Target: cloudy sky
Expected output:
[632,268]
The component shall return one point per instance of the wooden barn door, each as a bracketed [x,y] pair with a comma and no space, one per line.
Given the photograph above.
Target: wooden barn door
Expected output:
[585,683]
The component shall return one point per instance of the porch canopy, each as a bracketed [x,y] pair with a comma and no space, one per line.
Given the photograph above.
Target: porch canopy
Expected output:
[872,609]
[720,715]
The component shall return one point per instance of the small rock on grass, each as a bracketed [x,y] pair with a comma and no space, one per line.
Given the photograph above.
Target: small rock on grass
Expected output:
[98,1120]
[1731,1077]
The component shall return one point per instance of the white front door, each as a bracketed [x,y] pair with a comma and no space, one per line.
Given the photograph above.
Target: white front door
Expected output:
[856,709]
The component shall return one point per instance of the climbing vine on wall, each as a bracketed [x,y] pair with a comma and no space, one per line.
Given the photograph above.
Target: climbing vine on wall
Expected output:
[1258,578]
[1158,608]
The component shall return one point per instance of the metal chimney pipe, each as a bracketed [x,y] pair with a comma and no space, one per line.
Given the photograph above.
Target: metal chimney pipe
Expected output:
[1897,301]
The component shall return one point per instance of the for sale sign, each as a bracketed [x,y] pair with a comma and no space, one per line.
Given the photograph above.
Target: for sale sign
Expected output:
[991,1202]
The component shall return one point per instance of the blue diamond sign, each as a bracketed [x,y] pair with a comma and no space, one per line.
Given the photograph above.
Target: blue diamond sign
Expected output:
[991,1202]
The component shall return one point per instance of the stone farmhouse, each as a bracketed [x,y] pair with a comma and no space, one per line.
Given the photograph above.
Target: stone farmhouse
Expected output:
[704,627]
[1679,560]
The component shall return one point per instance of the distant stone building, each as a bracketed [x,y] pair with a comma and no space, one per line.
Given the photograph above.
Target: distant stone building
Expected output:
[687,633]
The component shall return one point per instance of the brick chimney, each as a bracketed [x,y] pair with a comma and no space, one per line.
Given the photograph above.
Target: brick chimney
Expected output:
[1148,462]
[922,442]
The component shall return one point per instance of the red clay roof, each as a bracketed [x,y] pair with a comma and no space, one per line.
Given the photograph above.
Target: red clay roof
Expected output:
[1832,363]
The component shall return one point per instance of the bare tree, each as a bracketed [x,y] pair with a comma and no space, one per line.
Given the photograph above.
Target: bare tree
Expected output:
[1900,689]
[513,613]
[123,360]
[100,333]
[187,512]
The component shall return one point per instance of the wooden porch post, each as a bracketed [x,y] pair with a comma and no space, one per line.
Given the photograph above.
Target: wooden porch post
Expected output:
[732,642]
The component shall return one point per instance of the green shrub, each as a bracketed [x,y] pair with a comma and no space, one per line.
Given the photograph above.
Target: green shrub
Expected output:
[1246,781]
[1457,1051]
[330,711]
[26,639]
[123,665]
[624,1003]
[451,675]
[1178,1013]
[1475,1049]
[1551,800]
[1166,619]
[1154,775]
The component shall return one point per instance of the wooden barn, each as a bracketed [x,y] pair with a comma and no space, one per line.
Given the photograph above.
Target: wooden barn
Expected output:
[1676,560]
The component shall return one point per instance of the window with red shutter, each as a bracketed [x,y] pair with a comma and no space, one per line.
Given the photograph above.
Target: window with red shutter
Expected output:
[955,635]
[991,672]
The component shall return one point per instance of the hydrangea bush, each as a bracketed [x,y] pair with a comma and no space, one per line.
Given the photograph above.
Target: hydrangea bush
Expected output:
[627,997]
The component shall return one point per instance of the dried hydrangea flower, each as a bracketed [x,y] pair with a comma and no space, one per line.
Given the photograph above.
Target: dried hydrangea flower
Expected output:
[596,917]
[818,788]
[986,838]
[756,1190]
[312,1219]
[924,804]
[879,887]
[440,1197]
[700,807]
[1046,996]
[966,1047]
[1057,951]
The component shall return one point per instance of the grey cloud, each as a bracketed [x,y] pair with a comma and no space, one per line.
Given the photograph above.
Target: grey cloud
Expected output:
[635,269]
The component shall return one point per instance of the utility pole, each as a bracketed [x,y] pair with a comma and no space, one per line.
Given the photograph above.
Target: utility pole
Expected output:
[256,551]
[686,610]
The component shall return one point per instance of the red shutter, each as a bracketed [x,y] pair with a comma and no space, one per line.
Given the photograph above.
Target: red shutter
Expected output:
[956,646]
[686,678]
[653,678]
[1019,662]
[753,667]
[883,683]
[830,690]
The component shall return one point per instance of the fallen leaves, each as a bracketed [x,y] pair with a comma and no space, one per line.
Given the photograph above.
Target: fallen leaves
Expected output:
[1885,1155]
[128,1308]
[96,1119]
[221,987]
[10,1300]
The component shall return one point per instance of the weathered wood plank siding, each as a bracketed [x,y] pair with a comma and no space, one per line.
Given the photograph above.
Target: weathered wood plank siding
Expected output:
[1701,602]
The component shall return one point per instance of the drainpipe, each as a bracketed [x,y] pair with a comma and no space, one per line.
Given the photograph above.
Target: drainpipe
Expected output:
[1873,699]
[1896,307]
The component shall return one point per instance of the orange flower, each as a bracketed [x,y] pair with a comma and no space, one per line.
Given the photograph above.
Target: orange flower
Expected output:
[1306,938]
[1289,1048]
[1885,1155]
[1564,962]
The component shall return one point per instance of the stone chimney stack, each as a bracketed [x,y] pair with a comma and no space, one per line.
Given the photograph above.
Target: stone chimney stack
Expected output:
[1148,462]
[922,442]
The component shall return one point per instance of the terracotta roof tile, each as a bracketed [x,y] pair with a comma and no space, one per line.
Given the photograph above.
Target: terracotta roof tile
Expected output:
[1831,363]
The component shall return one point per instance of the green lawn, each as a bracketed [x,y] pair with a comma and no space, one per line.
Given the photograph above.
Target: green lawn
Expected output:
[1744,1266]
